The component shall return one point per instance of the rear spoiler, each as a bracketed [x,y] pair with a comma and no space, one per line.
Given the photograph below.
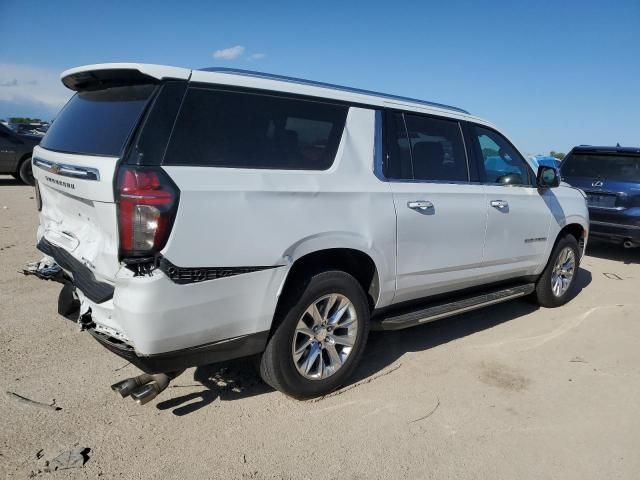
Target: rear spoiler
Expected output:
[93,77]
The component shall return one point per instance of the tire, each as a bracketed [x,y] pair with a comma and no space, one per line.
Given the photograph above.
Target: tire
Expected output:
[25,172]
[284,369]
[545,294]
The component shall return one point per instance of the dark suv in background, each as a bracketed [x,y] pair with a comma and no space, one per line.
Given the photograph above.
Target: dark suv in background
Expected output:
[15,154]
[610,176]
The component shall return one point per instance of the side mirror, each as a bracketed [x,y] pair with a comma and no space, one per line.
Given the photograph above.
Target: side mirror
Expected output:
[548,177]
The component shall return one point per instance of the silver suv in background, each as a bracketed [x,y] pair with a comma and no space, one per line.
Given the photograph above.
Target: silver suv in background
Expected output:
[196,216]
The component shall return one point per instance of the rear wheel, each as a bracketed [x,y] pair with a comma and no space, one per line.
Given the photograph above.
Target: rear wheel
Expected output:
[320,340]
[556,283]
[25,172]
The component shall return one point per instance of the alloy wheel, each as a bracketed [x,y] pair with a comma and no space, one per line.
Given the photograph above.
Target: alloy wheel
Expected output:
[563,271]
[324,336]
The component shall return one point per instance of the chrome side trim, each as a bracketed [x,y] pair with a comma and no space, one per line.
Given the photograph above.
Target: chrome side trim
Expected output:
[612,209]
[84,173]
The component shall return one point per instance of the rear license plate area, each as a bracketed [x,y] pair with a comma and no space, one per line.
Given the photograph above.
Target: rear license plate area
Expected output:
[601,200]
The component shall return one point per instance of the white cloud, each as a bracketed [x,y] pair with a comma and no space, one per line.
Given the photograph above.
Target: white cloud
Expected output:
[229,53]
[30,88]
[257,56]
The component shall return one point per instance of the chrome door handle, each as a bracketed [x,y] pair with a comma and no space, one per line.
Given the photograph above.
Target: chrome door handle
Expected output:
[420,205]
[499,204]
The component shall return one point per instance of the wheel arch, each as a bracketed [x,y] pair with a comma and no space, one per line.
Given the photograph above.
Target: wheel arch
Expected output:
[350,260]
[577,230]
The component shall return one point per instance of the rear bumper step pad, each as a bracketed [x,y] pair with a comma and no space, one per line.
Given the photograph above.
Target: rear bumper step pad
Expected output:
[445,309]
[83,278]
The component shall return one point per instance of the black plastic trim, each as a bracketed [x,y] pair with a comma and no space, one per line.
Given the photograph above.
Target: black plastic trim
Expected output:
[451,307]
[616,233]
[186,275]
[221,351]
[153,132]
[82,277]
[97,79]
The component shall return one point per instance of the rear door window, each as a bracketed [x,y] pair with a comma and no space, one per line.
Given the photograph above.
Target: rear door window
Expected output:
[424,148]
[222,128]
[623,168]
[98,122]
[437,149]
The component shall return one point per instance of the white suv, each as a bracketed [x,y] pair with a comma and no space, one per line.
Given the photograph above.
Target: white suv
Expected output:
[201,215]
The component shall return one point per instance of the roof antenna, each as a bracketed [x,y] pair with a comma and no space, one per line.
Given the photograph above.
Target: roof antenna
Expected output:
[618,144]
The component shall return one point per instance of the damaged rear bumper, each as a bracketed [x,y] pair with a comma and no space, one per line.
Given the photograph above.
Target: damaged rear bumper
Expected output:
[220,351]
[83,278]
[158,325]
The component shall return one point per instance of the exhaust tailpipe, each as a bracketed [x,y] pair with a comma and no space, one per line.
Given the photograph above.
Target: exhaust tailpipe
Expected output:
[145,387]
[148,392]
[629,244]
[125,387]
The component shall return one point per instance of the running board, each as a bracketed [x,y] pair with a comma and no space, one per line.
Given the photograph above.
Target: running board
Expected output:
[445,309]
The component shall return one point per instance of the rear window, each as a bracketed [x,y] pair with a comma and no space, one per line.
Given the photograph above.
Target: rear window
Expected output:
[98,122]
[625,168]
[246,130]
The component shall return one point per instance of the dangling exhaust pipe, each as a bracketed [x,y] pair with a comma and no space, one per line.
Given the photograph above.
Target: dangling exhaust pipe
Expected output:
[145,387]
[125,387]
[148,392]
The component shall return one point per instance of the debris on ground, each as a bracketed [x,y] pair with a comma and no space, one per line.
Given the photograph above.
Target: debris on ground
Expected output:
[433,410]
[74,458]
[33,403]
[612,276]
[123,366]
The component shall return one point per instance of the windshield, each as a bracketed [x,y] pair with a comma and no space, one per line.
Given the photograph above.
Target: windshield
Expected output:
[625,168]
[98,122]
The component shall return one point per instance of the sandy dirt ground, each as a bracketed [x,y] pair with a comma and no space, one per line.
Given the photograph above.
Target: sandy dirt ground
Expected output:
[509,392]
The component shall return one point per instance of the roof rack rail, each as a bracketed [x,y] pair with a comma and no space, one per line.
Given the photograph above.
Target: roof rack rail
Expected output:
[283,78]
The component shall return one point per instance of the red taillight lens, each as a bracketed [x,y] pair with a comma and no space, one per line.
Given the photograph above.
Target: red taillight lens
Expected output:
[147,203]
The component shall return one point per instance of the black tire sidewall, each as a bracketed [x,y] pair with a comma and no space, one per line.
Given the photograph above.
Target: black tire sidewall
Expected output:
[25,172]
[287,378]
[544,293]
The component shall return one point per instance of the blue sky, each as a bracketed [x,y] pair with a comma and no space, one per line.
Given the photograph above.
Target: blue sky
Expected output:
[550,74]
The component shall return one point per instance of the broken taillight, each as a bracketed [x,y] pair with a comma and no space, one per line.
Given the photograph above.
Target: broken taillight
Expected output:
[147,202]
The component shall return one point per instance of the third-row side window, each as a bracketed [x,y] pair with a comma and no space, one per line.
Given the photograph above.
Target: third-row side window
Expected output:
[246,130]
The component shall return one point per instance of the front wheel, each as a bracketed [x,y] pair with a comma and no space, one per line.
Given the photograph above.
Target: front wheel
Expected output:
[556,283]
[319,342]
